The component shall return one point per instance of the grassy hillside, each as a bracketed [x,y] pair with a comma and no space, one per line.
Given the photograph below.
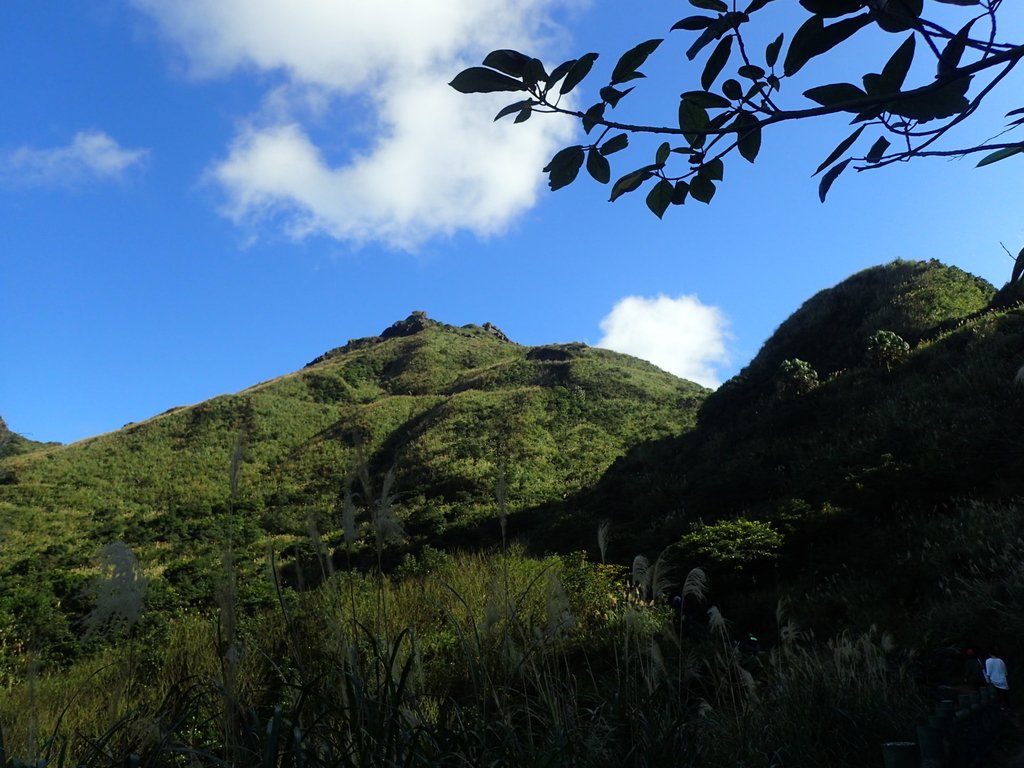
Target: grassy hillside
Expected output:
[856,461]
[449,409]
[13,444]
[860,513]
[914,299]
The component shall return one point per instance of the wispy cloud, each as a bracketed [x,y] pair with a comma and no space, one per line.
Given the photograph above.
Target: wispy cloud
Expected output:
[680,335]
[91,155]
[358,136]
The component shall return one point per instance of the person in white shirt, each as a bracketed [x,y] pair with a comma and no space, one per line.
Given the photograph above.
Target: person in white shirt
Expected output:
[995,675]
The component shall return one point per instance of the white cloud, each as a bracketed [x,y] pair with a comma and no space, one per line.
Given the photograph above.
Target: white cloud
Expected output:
[90,155]
[418,159]
[680,335]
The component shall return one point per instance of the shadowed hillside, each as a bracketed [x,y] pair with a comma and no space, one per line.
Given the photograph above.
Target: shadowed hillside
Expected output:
[913,299]
[872,445]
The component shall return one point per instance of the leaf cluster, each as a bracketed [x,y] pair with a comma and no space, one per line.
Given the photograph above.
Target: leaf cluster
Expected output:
[737,93]
[736,544]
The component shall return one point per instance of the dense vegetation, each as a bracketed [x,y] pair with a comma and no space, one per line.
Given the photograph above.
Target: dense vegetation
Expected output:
[12,444]
[327,571]
[453,411]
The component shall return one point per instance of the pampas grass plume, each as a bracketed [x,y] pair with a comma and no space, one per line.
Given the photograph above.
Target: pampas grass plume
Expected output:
[119,591]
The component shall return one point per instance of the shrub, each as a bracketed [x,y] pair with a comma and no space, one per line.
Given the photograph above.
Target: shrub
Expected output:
[737,544]
[796,377]
[886,349]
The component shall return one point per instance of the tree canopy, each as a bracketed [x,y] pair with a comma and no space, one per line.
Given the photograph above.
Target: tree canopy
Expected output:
[934,77]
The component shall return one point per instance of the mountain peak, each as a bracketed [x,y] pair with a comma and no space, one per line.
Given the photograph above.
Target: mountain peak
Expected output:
[413,324]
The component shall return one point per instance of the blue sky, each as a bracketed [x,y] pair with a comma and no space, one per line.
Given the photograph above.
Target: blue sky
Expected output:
[202,194]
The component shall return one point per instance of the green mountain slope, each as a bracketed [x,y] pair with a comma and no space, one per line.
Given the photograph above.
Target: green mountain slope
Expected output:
[13,444]
[868,444]
[572,435]
[913,299]
[450,409]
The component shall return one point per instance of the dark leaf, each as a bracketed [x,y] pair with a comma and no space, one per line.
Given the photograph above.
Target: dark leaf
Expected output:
[662,154]
[577,72]
[660,197]
[814,39]
[534,72]
[715,30]
[877,150]
[871,113]
[692,119]
[836,95]
[693,23]
[945,101]
[754,90]
[679,192]
[844,145]
[592,116]
[524,114]
[710,5]
[1018,111]
[732,89]
[598,167]
[898,15]
[831,9]
[830,176]
[613,95]
[483,80]
[564,167]
[508,61]
[954,50]
[628,64]
[560,71]
[719,120]
[755,6]
[512,108]
[707,100]
[1000,154]
[712,169]
[702,189]
[716,61]
[771,53]
[748,135]
[895,70]
[960,2]
[629,183]
[803,44]
[873,84]
[614,144]
[751,72]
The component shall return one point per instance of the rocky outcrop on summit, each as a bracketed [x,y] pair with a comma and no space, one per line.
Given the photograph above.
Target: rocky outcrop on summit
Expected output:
[496,332]
[415,323]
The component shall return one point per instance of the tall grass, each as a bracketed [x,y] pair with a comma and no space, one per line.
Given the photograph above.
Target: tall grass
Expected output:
[499,658]
[485,659]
